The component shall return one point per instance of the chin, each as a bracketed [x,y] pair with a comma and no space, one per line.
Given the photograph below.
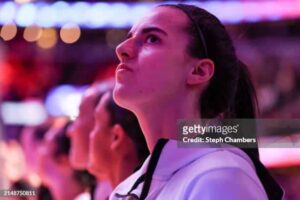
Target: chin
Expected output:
[92,169]
[122,96]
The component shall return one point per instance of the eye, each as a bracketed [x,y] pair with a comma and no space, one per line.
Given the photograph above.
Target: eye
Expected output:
[152,39]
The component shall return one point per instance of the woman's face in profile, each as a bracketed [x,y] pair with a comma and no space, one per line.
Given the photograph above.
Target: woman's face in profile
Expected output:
[153,59]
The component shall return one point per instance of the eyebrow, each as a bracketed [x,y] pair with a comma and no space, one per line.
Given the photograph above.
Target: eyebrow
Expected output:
[149,29]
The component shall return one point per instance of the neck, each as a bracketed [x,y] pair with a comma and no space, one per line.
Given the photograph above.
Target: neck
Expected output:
[103,189]
[160,120]
[59,191]
[122,168]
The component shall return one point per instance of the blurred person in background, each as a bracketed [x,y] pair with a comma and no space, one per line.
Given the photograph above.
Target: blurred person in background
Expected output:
[79,133]
[117,145]
[21,162]
[55,169]
[3,180]
[32,139]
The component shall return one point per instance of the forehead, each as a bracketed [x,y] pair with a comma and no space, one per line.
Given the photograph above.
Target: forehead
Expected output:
[168,18]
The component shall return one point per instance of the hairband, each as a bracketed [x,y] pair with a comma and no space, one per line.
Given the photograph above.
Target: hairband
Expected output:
[199,32]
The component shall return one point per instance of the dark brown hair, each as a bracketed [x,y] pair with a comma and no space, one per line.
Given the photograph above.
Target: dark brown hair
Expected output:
[230,92]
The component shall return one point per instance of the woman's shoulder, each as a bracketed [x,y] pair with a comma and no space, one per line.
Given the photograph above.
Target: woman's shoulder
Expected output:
[228,159]
[227,172]
[219,183]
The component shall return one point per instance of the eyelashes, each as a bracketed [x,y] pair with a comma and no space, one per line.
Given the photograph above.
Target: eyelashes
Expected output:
[146,39]
[152,39]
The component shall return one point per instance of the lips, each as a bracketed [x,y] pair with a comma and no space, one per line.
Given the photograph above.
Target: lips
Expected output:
[123,67]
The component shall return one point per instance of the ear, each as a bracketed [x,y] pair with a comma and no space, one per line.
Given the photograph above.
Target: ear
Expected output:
[118,135]
[201,72]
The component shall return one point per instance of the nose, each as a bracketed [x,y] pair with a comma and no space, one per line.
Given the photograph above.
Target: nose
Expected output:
[126,50]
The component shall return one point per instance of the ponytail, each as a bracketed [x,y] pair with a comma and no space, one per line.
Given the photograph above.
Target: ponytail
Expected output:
[245,101]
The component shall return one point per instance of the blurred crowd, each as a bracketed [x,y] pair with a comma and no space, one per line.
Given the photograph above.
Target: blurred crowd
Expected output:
[77,159]
[275,70]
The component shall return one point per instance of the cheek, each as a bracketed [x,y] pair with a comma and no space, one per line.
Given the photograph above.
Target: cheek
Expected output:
[93,143]
[81,133]
[102,142]
[157,74]
[75,132]
[87,124]
[96,141]
[161,74]
[98,156]
[163,60]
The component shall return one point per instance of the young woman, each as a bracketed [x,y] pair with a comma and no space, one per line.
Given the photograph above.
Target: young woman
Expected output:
[179,62]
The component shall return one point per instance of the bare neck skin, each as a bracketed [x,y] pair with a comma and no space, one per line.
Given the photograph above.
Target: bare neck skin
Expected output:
[159,120]
[123,167]
[58,188]
[103,189]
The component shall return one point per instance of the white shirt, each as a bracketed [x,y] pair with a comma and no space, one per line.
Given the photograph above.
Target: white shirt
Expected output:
[198,174]
[83,196]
